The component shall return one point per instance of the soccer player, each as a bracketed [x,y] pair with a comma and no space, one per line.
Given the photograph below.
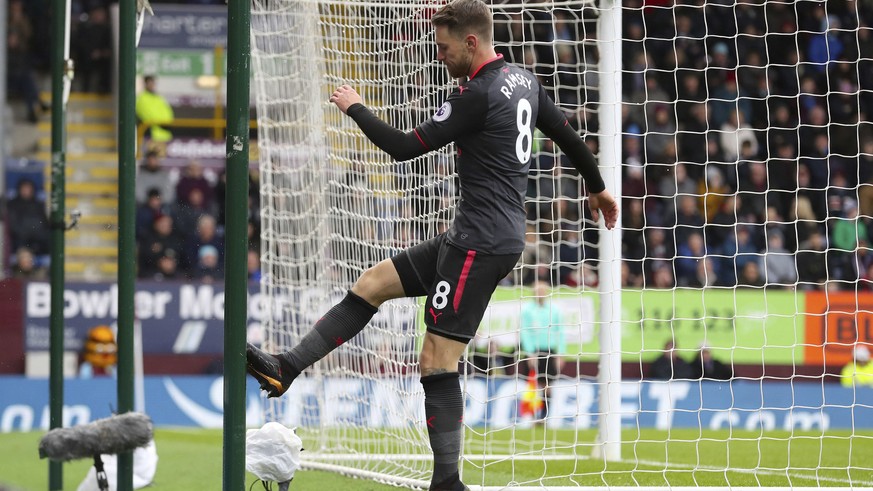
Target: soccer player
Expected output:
[490,117]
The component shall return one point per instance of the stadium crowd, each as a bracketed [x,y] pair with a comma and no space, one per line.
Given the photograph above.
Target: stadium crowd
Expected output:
[180,222]
[747,148]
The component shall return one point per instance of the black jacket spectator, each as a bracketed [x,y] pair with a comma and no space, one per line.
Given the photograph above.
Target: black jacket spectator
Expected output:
[156,245]
[28,223]
[669,366]
[706,367]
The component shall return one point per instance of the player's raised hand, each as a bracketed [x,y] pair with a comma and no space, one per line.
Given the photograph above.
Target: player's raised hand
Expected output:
[603,202]
[344,97]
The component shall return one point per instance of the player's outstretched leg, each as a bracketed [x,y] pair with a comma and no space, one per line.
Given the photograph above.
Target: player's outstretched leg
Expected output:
[341,323]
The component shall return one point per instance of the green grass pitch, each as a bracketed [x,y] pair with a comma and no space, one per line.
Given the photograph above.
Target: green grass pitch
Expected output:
[192,459]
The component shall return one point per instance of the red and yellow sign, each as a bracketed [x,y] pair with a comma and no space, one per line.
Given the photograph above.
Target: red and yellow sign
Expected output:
[835,322]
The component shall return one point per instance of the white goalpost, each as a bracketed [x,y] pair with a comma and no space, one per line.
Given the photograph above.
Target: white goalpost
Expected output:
[685,161]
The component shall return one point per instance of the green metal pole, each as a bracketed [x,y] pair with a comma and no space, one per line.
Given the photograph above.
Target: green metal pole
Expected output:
[58,212]
[236,241]
[126,218]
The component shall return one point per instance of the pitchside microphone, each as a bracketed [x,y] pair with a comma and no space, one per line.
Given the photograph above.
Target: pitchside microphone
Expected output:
[113,435]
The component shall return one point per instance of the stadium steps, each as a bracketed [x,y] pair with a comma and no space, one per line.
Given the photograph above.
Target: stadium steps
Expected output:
[91,249]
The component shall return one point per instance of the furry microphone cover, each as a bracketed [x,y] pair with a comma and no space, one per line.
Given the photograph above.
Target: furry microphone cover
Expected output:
[112,435]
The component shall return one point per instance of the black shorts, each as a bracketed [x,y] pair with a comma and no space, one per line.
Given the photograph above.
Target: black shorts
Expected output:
[547,367]
[458,284]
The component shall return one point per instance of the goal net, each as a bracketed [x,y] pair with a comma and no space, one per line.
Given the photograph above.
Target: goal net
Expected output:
[701,345]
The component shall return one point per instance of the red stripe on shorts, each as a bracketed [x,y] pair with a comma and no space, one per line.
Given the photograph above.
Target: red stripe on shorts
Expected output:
[462,281]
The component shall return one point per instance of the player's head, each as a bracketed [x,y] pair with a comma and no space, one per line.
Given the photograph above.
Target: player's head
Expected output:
[463,27]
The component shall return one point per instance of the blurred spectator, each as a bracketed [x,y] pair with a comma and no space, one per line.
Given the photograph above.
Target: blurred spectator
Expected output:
[782,130]
[220,191]
[193,177]
[254,236]
[707,367]
[28,223]
[825,45]
[253,265]
[753,190]
[206,235]
[633,244]
[778,263]
[865,282]
[662,277]
[687,218]
[147,212]
[690,96]
[542,337]
[865,178]
[571,253]
[633,183]
[168,266]
[152,175]
[19,68]
[721,226]
[155,245]
[670,366]
[713,192]
[187,214]
[737,251]
[536,257]
[209,267]
[25,267]
[803,218]
[693,135]
[818,160]
[661,134]
[812,192]
[724,99]
[750,275]
[688,255]
[94,60]
[847,232]
[705,275]
[154,110]
[490,360]
[675,184]
[630,274]
[863,259]
[734,134]
[812,269]
[859,371]
[659,253]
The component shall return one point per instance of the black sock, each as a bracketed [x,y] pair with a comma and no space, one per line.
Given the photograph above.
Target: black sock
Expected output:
[341,323]
[444,410]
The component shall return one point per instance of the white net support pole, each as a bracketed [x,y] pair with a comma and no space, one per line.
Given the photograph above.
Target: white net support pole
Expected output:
[609,112]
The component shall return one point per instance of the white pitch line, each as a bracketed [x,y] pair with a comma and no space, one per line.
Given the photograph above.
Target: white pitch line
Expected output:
[767,472]
[557,457]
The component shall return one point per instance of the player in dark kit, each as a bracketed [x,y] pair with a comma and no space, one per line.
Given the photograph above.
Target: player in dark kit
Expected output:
[490,116]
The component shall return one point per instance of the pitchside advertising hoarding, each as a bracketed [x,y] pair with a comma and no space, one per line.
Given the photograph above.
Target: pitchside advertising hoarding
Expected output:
[742,327]
[175,317]
[197,401]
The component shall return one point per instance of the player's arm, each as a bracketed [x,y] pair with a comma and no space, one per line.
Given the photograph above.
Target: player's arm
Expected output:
[551,121]
[432,135]
[400,145]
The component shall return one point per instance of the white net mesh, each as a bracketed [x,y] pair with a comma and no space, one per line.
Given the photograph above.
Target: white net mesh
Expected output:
[744,125]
